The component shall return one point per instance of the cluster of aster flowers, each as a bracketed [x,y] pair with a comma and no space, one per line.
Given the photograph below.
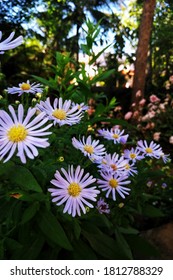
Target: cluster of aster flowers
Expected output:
[116,169]
[22,134]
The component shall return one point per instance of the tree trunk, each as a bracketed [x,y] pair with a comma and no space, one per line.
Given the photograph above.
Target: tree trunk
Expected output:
[142,50]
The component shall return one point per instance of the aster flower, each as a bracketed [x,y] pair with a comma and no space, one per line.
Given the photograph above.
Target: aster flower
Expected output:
[114,163]
[114,134]
[8,43]
[25,87]
[81,106]
[22,134]
[89,147]
[71,188]
[165,157]
[102,206]
[149,184]
[61,113]
[164,185]
[152,150]
[130,169]
[112,183]
[133,154]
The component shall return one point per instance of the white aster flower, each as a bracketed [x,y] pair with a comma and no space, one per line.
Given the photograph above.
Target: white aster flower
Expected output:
[60,112]
[72,189]
[81,106]
[114,134]
[25,87]
[22,134]
[133,154]
[114,163]
[112,183]
[152,150]
[8,43]
[89,147]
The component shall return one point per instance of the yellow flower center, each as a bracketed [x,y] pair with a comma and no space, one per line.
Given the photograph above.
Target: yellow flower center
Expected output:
[25,86]
[132,156]
[127,166]
[74,189]
[17,133]
[89,149]
[113,166]
[148,150]
[113,183]
[59,114]
[116,136]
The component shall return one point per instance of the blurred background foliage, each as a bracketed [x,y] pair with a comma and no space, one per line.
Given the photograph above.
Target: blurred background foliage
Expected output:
[50,26]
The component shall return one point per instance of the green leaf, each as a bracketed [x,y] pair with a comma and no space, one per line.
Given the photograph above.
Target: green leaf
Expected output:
[33,251]
[98,55]
[51,83]
[103,76]
[5,168]
[123,245]
[12,244]
[83,251]
[22,177]
[100,109]
[100,221]
[77,229]
[141,248]
[85,49]
[128,230]
[41,174]
[30,212]
[102,244]
[153,212]
[50,226]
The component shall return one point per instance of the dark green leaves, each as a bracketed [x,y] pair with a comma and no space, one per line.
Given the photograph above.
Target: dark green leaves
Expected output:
[52,229]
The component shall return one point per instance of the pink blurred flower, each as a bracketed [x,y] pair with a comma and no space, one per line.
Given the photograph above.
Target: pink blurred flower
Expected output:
[154,98]
[128,115]
[162,107]
[136,114]
[171,79]
[138,93]
[142,102]
[156,136]
[171,139]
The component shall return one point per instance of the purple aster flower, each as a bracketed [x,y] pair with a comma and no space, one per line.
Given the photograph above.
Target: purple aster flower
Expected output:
[60,112]
[165,158]
[130,169]
[164,185]
[133,154]
[22,134]
[81,106]
[25,87]
[149,184]
[112,183]
[114,134]
[114,163]
[152,150]
[8,43]
[102,206]
[72,189]
[89,147]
